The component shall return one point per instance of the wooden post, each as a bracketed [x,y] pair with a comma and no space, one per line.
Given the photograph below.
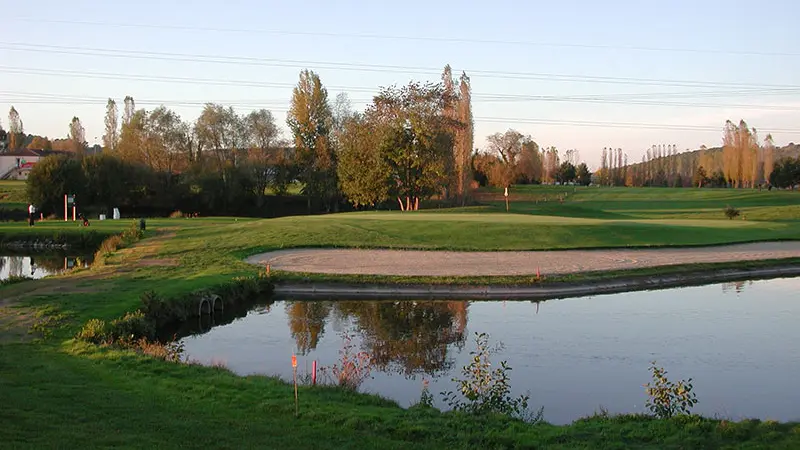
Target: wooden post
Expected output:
[66,208]
[314,373]
[296,402]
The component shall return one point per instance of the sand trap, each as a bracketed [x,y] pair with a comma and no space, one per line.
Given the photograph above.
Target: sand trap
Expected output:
[446,263]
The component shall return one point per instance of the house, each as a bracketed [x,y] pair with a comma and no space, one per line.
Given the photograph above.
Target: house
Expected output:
[17,164]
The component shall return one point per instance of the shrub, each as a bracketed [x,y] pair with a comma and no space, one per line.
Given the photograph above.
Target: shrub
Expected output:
[487,391]
[731,212]
[171,351]
[132,326]
[95,331]
[667,399]
[177,215]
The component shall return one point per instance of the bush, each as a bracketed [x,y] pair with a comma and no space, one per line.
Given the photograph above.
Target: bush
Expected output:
[667,399]
[731,212]
[177,215]
[95,331]
[486,391]
[171,351]
[132,326]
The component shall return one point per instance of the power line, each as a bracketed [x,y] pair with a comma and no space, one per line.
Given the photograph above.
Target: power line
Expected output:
[359,67]
[410,38]
[504,120]
[46,98]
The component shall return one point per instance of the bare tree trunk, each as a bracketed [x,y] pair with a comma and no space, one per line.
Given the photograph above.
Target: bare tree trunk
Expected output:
[408,203]
[416,203]
[399,200]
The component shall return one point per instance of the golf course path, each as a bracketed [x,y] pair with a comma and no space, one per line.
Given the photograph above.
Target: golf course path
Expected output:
[449,263]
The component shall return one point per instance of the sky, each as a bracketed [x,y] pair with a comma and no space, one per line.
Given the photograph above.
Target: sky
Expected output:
[572,74]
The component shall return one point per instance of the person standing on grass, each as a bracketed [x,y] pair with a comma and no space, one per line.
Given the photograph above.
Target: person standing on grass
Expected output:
[31,212]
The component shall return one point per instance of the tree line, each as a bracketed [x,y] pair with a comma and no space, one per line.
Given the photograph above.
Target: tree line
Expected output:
[411,143]
[741,162]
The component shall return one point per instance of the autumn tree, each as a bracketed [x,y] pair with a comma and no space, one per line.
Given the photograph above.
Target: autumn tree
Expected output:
[529,165]
[310,120]
[77,136]
[130,109]
[40,143]
[222,132]
[507,147]
[551,162]
[465,139]
[111,136]
[16,130]
[769,156]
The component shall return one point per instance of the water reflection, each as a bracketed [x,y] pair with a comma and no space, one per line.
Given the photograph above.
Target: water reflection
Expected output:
[573,355]
[403,337]
[736,286]
[39,265]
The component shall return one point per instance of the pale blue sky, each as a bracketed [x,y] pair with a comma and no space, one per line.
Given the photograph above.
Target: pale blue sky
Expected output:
[748,43]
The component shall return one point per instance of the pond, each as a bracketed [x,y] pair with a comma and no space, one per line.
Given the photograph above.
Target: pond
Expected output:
[574,356]
[39,265]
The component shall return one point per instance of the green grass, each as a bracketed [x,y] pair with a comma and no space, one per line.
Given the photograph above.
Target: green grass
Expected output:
[55,391]
[12,192]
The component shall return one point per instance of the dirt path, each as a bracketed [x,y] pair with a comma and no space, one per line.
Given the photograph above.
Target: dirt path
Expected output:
[434,263]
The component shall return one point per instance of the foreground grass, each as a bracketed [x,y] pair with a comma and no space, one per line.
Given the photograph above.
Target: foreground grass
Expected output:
[106,398]
[56,391]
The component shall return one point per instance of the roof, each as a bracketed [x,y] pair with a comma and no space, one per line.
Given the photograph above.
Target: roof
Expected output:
[31,153]
[23,152]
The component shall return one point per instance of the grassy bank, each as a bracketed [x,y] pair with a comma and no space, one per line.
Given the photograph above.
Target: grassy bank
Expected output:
[55,390]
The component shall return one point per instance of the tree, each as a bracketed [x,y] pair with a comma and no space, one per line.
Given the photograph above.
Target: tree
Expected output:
[40,143]
[465,139]
[111,137]
[582,175]
[130,109]
[3,138]
[769,156]
[262,137]
[529,166]
[310,120]
[700,177]
[77,134]
[786,173]
[416,140]
[221,131]
[507,147]
[16,130]
[551,163]
[363,171]
[566,173]
[51,178]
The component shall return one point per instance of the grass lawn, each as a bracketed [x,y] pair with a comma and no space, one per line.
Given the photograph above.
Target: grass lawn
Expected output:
[57,392]
[12,195]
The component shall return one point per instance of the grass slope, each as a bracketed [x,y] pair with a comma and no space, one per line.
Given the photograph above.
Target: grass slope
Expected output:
[56,391]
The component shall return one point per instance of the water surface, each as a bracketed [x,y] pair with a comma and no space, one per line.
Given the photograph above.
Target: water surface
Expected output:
[737,341]
[39,265]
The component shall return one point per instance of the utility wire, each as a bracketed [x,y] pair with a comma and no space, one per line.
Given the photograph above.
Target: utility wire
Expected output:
[443,39]
[359,67]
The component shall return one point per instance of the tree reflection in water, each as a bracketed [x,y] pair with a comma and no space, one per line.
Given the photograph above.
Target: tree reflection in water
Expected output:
[405,336]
